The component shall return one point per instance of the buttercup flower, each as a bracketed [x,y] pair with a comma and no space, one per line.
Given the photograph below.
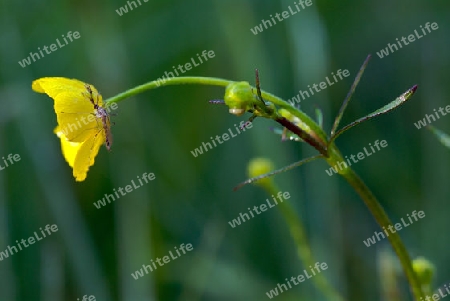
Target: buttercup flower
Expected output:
[83,122]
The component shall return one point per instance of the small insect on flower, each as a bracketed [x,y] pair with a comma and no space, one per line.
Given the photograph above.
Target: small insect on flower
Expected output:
[83,122]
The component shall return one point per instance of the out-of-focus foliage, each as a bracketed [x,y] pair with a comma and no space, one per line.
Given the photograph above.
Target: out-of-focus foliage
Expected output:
[191,199]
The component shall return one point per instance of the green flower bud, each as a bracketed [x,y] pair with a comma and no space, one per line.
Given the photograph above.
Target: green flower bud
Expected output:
[260,166]
[239,97]
[424,270]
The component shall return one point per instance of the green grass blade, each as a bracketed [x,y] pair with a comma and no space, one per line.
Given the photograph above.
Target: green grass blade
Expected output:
[443,137]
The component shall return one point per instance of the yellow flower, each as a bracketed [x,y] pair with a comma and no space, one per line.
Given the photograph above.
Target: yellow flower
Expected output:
[83,123]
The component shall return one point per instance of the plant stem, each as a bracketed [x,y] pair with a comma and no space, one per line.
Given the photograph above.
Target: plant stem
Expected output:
[304,252]
[308,125]
[381,218]
[196,80]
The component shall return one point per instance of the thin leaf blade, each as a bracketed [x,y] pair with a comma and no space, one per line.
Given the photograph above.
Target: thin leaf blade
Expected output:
[281,170]
[349,95]
[383,110]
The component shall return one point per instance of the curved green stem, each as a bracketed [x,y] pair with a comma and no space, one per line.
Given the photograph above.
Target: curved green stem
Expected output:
[381,218]
[195,80]
[394,238]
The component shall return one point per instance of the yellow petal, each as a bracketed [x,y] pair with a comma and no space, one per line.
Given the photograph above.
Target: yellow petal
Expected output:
[74,109]
[53,86]
[81,155]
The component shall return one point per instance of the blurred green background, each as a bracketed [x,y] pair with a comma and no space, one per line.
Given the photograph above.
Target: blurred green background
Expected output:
[191,200]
